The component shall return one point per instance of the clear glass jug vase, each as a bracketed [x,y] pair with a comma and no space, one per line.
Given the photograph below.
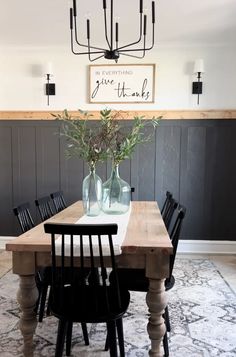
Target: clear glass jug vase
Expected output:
[116,194]
[92,193]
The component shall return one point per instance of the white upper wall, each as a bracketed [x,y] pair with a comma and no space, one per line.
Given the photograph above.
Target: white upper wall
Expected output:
[22,78]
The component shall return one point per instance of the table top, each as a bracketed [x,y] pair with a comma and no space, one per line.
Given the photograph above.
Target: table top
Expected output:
[146,232]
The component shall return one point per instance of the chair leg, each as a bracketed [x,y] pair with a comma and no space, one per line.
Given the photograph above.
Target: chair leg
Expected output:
[61,332]
[85,333]
[106,344]
[48,311]
[42,303]
[69,338]
[167,319]
[38,284]
[166,345]
[37,302]
[120,332]
[111,330]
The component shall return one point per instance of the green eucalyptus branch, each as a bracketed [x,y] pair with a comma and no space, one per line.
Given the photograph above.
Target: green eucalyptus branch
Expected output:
[108,140]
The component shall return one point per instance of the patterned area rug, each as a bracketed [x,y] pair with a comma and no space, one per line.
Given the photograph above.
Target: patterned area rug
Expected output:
[202,310]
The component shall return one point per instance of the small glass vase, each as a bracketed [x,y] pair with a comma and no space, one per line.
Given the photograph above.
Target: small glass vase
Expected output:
[116,194]
[92,193]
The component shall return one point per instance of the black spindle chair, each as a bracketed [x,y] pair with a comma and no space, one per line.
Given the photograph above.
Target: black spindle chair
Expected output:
[22,212]
[166,204]
[45,211]
[172,205]
[58,201]
[43,276]
[135,279]
[132,190]
[23,215]
[44,207]
[79,298]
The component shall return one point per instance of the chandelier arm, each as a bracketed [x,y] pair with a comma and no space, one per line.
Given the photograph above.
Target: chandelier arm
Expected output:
[126,54]
[141,49]
[94,59]
[81,44]
[82,53]
[89,54]
[140,36]
[73,11]
[105,27]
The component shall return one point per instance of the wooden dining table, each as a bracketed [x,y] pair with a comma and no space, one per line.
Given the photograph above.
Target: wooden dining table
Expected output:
[146,245]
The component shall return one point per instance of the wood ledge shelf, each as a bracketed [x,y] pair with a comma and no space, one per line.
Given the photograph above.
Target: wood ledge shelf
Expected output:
[125,115]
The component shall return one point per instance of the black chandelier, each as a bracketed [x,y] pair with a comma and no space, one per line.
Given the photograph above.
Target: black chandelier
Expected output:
[113,51]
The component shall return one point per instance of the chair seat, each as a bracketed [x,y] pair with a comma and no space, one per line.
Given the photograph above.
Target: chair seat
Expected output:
[81,305]
[45,274]
[132,279]
[135,280]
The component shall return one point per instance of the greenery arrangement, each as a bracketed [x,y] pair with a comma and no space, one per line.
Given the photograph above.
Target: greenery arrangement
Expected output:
[108,139]
[82,140]
[121,144]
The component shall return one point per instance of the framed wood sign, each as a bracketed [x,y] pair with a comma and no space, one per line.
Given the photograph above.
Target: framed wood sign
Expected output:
[122,83]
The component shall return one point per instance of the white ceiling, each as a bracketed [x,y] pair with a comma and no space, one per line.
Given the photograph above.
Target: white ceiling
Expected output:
[187,22]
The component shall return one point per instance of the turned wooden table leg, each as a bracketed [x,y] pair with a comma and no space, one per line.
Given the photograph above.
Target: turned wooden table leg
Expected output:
[156,300]
[27,296]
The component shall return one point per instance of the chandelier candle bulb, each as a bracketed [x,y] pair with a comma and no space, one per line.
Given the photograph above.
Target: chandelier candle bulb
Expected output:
[141,7]
[71,19]
[74,7]
[153,12]
[88,29]
[145,25]
[117,31]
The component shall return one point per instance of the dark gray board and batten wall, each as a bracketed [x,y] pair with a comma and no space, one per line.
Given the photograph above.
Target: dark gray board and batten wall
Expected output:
[194,159]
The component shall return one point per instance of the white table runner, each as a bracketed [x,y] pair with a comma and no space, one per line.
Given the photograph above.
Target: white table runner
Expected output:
[121,220]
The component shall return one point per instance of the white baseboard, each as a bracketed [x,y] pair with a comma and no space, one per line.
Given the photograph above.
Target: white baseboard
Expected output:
[207,247]
[185,246]
[4,240]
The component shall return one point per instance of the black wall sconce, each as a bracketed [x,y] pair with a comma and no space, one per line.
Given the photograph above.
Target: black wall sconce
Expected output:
[50,88]
[197,86]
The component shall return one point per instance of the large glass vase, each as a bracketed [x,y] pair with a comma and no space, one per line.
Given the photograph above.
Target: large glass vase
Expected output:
[116,194]
[92,193]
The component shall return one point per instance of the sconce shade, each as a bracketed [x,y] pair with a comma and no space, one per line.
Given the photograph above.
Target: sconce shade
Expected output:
[49,68]
[198,66]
